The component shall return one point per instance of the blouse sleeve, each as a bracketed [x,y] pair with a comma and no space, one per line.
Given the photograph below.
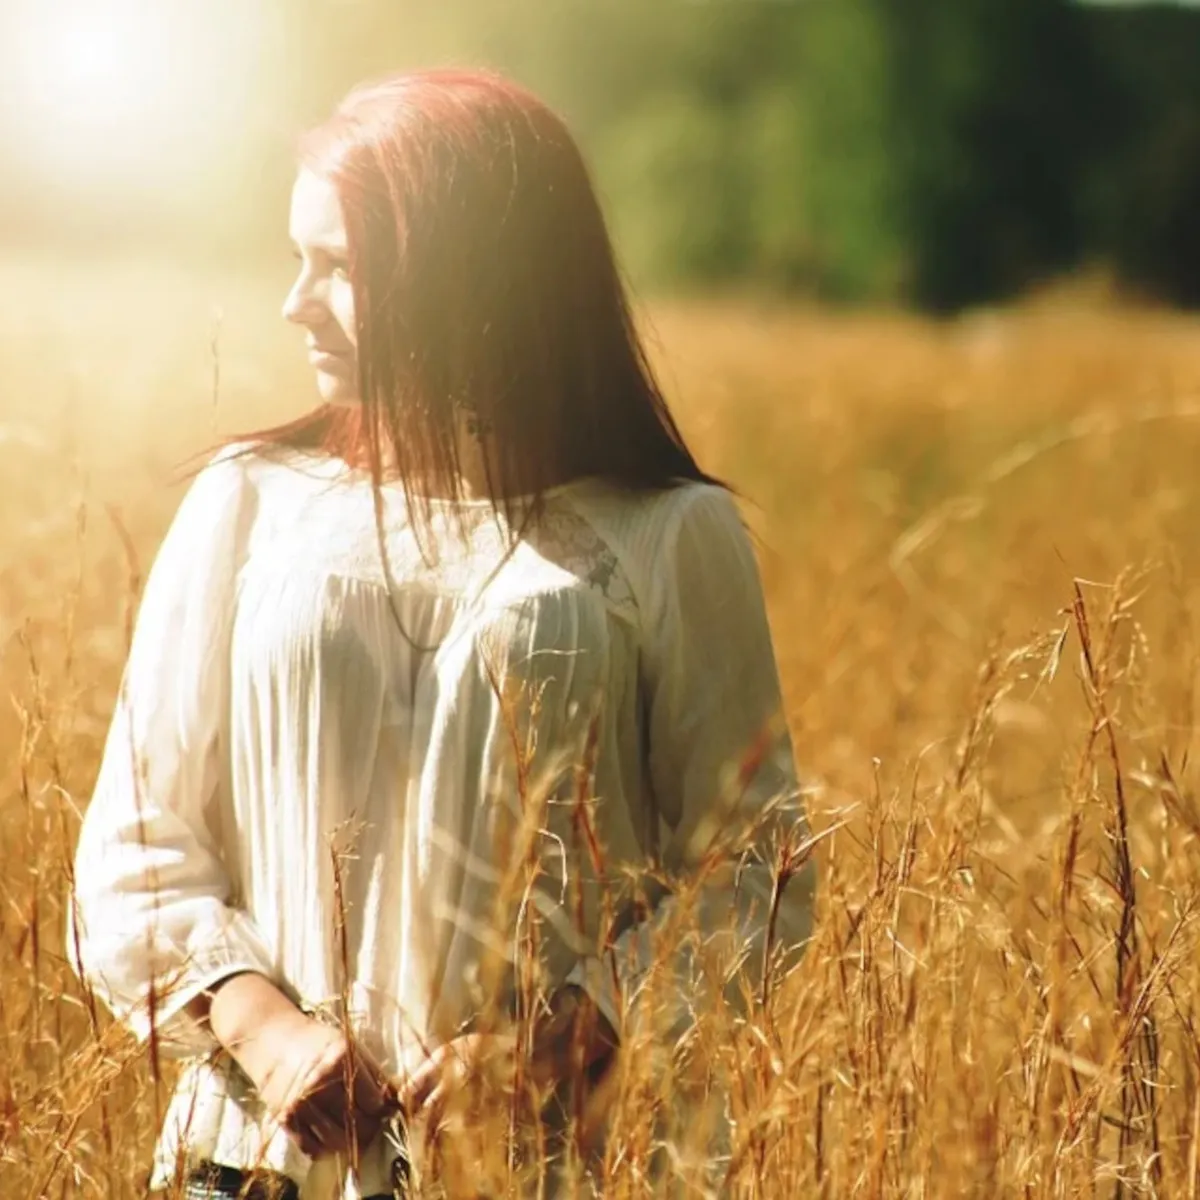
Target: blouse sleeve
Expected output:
[153,921]
[720,762]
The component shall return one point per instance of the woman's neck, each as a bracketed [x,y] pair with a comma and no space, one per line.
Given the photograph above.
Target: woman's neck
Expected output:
[473,449]
[471,455]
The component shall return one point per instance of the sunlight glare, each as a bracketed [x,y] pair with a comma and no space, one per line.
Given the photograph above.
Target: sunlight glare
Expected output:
[95,76]
[112,91]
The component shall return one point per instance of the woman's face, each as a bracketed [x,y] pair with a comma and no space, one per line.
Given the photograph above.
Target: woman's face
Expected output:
[321,300]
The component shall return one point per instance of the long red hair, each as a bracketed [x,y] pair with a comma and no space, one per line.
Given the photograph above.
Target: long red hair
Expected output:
[485,285]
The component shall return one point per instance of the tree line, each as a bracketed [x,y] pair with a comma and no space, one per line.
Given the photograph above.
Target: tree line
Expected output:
[944,154]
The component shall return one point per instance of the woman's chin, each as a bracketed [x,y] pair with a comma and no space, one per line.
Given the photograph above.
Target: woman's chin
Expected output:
[336,391]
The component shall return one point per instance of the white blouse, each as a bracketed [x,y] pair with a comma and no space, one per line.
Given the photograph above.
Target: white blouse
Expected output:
[296,737]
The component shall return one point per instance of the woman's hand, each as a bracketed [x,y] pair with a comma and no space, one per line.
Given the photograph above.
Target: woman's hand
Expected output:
[460,1102]
[452,1068]
[319,1086]
[567,1041]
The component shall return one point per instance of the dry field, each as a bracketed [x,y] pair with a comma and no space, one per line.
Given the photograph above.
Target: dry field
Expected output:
[980,547]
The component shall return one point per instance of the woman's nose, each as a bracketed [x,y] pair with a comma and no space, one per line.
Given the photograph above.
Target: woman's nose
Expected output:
[301,304]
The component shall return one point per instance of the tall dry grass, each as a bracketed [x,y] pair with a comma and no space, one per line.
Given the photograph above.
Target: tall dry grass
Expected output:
[979,545]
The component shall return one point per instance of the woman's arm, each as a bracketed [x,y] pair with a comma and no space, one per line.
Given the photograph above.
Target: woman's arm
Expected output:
[154,923]
[721,768]
[156,929]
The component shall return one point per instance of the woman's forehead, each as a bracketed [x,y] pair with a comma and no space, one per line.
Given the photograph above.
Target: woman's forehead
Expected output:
[316,213]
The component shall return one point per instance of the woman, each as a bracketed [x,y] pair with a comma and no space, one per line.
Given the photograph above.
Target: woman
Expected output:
[422,680]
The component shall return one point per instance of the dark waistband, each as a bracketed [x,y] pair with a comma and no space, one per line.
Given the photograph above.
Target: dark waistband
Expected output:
[216,1180]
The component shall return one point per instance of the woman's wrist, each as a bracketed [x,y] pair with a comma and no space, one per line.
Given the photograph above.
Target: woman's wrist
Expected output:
[242,1008]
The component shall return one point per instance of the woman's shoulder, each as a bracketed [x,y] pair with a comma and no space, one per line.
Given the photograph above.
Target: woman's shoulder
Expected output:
[223,490]
[645,529]
[240,459]
[647,521]
[245,467]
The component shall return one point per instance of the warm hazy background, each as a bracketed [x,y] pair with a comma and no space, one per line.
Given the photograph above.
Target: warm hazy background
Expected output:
[943,153]
[915,273]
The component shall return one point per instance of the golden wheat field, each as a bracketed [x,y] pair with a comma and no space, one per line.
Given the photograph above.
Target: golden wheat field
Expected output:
[981,547]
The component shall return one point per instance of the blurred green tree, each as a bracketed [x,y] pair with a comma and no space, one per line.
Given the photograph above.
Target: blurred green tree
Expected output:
[999,113]
[1146,201]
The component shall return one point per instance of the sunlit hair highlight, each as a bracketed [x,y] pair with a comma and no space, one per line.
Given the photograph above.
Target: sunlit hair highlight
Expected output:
[486,294]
